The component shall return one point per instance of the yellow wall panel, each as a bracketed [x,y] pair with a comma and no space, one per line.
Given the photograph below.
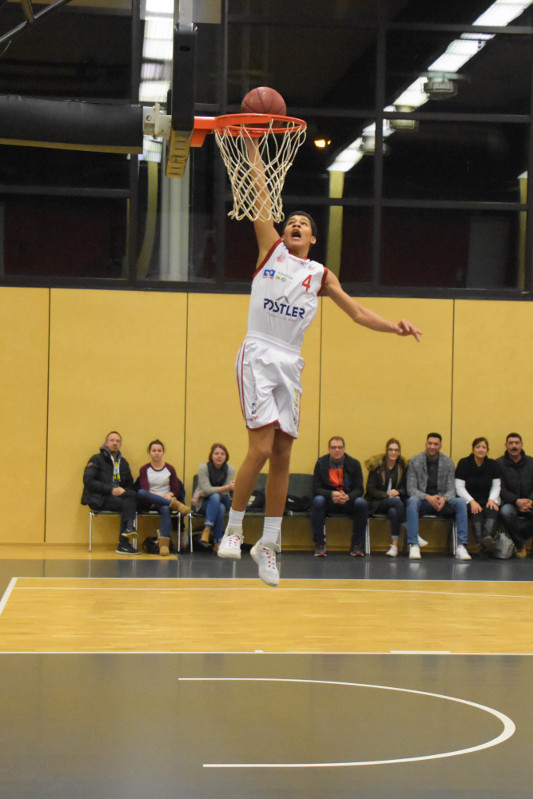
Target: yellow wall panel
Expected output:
[493,374]
[217,325]
[23,402]
[378,385]
[117,362]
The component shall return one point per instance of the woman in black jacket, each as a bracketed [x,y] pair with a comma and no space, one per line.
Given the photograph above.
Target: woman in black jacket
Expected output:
[477,481]
[385,489]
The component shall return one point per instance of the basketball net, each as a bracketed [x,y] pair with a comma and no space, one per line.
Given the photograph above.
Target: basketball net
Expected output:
[257,160]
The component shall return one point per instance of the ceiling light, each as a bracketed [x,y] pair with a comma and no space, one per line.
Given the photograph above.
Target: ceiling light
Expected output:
[502,12]
[457,54]
[367,145]
[153,91]
[438,87]
[403,124]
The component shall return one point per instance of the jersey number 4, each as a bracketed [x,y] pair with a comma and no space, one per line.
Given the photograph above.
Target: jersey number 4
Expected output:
[307,283]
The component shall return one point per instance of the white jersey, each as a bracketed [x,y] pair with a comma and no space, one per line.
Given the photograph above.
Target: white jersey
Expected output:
[284,297]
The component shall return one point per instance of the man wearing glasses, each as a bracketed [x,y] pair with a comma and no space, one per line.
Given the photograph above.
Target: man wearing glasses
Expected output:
[338,489]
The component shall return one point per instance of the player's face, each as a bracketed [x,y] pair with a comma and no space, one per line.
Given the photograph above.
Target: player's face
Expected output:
[156,453]
[218,457]
[113,442]
[298,233]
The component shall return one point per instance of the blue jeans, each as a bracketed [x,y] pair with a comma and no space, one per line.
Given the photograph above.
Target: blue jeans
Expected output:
[394,509]
[215,506]
[420,507]
[518,525]
[357,509]
[147,500]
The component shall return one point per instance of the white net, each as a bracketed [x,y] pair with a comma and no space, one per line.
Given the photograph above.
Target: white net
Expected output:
[257,160]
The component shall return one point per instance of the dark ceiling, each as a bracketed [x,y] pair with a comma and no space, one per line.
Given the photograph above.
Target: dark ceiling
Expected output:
[325,65]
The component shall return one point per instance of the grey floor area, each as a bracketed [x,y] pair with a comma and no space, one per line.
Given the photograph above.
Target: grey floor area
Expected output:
[262,725]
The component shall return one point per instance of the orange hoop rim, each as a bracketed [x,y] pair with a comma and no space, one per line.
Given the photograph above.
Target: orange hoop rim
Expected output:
[236,124]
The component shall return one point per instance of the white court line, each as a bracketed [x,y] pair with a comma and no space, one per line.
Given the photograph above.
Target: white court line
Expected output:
[450,594]
[352,580]
[509,727]
[7,594]
[420,652]
[255,652]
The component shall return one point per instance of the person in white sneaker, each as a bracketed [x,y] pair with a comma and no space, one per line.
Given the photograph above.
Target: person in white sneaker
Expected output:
[477,481]
[385,489]
[431,490]
[286,285]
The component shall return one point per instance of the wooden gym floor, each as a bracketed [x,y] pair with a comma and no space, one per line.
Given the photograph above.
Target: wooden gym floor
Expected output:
[189,678]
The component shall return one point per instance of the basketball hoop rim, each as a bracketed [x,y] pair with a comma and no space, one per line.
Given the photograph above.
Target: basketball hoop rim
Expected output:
[236,124]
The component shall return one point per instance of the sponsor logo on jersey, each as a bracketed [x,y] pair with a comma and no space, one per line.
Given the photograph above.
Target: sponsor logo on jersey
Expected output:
[271,274]
[282,307]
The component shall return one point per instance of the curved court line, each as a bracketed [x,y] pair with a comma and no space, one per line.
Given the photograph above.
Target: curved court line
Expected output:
[509,727]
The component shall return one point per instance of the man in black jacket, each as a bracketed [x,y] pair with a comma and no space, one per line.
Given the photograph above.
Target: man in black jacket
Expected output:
[108,485]
[338,488]
[516,512]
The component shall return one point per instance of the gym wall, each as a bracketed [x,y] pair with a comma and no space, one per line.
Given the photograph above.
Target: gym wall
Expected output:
[79,363]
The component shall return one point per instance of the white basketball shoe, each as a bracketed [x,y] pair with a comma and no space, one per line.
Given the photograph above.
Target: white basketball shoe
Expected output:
[265,557]
[230,546]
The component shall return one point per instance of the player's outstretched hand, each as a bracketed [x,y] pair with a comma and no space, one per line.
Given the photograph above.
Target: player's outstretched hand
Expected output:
[405,328]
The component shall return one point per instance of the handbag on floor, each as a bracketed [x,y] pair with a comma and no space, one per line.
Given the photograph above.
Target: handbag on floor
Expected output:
[503,546]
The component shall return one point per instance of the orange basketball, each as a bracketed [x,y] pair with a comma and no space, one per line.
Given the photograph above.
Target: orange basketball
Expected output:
[264,100]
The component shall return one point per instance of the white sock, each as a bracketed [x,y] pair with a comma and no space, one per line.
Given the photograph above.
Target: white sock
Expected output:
[271,531]
[235,517]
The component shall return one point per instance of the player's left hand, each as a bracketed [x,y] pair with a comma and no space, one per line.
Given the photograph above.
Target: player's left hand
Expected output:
[406,328]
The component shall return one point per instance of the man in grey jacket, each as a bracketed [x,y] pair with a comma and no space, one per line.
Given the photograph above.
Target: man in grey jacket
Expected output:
[431,490]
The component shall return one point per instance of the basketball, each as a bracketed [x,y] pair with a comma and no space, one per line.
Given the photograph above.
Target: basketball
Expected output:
[264,100]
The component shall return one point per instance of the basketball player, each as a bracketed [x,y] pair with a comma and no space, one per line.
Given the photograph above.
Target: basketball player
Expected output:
[283,302]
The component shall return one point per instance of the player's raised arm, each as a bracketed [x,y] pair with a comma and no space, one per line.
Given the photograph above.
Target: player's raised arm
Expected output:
[265,232]
[364,316]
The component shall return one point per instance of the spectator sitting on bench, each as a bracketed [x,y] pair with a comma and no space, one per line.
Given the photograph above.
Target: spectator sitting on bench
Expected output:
[516,512]
[338,488]
[160,489]
[385,489]
[477,481]
[431,490]
[216,480]
[108,485]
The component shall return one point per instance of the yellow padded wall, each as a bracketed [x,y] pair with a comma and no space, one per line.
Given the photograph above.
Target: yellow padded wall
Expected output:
[117,362]
[493,374]
[378,385]
[217,326]
[23,400]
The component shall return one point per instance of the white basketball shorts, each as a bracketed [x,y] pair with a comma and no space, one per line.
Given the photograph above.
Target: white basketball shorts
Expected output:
[269,381]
